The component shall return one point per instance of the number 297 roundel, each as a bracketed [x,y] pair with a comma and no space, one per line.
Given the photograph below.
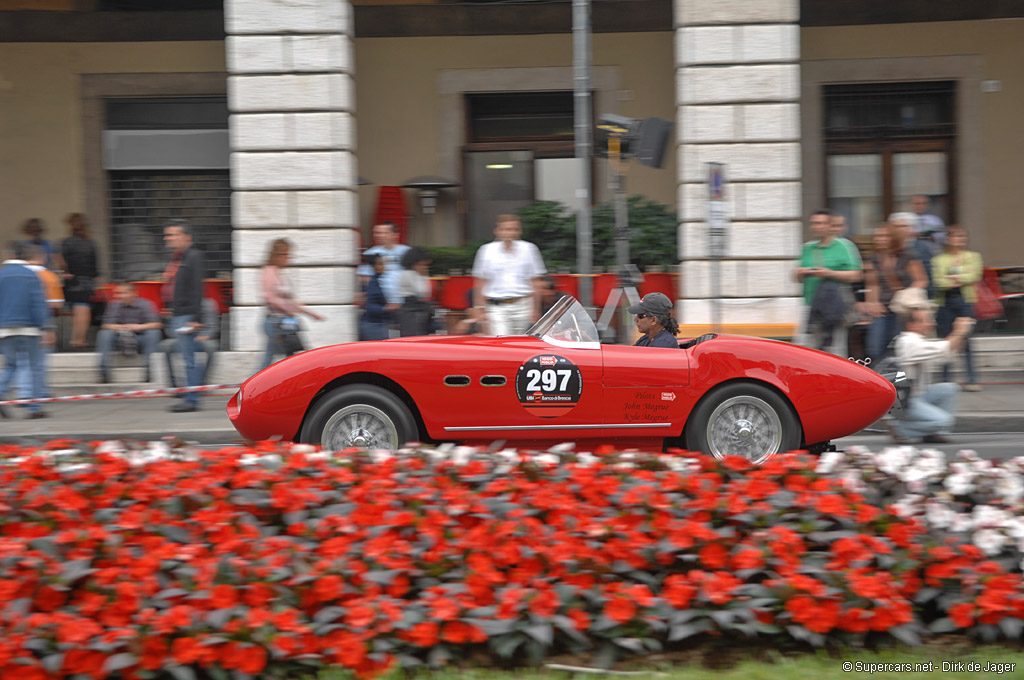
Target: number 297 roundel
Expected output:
[548,385]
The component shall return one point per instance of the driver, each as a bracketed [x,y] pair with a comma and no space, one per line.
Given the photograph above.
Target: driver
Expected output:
[654,320]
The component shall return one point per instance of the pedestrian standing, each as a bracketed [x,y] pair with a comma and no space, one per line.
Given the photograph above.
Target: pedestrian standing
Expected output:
[376,320]
[25,323]
[956,272]
[283,309]
[385,238]
[78,261]
[892,267]
[183,291]
[53,292]
[33,230]
[834,263]
[416,315]
[507,272]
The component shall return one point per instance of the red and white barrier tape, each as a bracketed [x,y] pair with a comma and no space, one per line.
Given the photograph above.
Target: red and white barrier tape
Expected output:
[134,394]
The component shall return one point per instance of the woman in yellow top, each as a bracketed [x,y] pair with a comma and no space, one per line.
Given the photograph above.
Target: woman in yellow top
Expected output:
[955,271]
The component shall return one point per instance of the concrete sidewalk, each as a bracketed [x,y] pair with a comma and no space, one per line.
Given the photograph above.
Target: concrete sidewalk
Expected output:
[998,408]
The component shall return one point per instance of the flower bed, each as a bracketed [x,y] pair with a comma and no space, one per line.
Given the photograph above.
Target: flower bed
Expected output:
[266,561]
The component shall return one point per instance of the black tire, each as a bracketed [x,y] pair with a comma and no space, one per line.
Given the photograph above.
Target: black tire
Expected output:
[359,415]
[743,419]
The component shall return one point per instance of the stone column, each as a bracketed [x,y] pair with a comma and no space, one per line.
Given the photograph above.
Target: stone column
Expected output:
[737,102]
[293,169]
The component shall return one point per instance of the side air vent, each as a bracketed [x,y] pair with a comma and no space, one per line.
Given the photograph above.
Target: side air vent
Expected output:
[456,380]
[493,380]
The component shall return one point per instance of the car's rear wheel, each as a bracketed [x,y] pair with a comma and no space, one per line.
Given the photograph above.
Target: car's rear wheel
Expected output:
[359,415]
[743,419]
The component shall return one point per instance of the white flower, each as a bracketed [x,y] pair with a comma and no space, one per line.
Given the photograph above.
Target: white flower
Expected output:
[893,459]
[381,455]
[1015,527]
[960,484]
[908,505]
[587,459]
[564,447]
[1009,486]
[987,516]
[828,462]
[938,514]
[461,455]
[990,541]
[547,459]
[961,522]
[852,480]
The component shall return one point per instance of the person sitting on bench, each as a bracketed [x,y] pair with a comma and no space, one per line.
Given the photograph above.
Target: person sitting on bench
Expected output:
[132,323]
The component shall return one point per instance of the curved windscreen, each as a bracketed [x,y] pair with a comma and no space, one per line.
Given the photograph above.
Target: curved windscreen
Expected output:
[567,324]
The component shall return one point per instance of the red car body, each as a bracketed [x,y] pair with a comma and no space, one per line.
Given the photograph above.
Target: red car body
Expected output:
[477,390]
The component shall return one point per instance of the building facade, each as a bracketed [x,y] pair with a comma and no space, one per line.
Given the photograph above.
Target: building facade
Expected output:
[259,118]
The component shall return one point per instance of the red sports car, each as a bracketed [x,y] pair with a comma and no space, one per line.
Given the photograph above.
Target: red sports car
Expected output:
[719,394]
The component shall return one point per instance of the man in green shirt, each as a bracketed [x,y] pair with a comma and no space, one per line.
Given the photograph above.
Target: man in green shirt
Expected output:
[828,257]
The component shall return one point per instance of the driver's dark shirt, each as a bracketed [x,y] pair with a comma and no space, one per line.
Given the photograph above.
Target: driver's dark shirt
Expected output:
[662,339]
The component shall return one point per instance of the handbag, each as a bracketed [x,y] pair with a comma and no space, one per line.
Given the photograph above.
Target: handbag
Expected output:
[987,306]
[288,335]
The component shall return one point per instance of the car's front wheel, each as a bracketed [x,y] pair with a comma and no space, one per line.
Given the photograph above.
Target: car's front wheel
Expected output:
[359,415]
[743,419]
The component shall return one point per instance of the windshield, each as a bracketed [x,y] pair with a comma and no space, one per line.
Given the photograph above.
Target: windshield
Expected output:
[567,324]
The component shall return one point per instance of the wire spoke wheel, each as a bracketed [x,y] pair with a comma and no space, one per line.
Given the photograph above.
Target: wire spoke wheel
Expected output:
[746,426]
[360,425]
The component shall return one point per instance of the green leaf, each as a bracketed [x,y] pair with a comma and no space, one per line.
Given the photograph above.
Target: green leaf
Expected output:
[182,672]
[723,617]
[542,633]
[606,656]
[53,662]
[505,646]
[116,662]
[906,634]
[1011,627]
[635,645]
[943,625]
[175,533]
[682,631]
[328,614]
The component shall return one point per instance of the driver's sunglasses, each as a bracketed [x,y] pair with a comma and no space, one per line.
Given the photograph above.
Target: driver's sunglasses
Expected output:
[643,316]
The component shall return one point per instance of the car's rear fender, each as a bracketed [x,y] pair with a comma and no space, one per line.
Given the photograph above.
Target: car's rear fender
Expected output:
[774,388]
[367,378]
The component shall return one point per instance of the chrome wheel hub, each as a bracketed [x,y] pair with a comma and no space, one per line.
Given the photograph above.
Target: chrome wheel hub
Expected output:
[745,426]
[359,425]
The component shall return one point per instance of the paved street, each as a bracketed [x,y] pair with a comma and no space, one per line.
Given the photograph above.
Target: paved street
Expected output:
[990,422]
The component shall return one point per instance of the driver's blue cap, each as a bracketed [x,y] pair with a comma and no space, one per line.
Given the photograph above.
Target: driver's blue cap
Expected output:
[656,304]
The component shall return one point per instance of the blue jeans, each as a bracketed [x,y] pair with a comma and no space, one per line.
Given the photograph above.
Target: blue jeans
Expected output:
[954,307]
[880,333]
[373,330]
[170,347]
[23,376]
[187,345]
[929,413]
[148,342]
[30,348]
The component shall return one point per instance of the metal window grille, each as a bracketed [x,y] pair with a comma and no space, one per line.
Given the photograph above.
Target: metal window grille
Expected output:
[890,110]
[141,204]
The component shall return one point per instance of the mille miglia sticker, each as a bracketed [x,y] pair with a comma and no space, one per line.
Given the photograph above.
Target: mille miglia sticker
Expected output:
[668,396]
[549,385]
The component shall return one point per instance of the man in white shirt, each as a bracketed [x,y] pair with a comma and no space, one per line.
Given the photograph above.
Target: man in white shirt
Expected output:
[385,238]
[507,272]
[930,412]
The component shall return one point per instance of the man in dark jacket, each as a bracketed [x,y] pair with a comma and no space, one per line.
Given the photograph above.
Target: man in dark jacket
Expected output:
[183,289]
[25,322]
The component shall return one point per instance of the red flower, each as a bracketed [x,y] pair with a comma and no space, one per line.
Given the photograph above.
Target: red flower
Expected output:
[48,599]
[254,660]
[620,609]
[444,609]
[748,558]
[185,650]
[328,588]
[461,632]
[579,618]
[223,596]
[831,504]
[714,555]
[545,603]
[719,587]
[153,652]
[423,634]
[678,591]
[85,662]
